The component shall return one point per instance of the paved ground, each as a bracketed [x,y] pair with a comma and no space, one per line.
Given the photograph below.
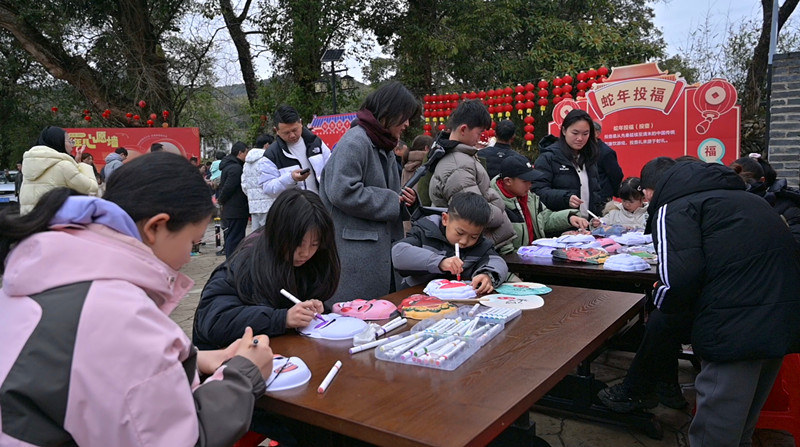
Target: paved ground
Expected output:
[610,367]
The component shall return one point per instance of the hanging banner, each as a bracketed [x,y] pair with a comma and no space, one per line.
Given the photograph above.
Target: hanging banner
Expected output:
[330,128]
[646,113]
[100,142]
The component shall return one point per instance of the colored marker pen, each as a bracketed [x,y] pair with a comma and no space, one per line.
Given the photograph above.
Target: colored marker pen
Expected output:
[331,374]
[458,255]
[294,299]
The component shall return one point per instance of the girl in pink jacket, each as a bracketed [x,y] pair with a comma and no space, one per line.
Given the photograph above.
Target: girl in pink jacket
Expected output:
[88,353]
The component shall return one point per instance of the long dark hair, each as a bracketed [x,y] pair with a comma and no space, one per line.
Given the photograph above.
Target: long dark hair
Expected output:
[263,263]
[155,183]
[588,154]
[392,104]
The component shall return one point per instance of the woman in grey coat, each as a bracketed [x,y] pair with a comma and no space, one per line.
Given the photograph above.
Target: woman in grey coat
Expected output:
[361,188]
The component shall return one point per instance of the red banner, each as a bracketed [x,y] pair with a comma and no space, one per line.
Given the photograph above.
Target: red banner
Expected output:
[647,117]
[100,142]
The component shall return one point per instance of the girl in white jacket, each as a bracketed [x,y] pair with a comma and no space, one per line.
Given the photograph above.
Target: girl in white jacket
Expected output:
[632,211]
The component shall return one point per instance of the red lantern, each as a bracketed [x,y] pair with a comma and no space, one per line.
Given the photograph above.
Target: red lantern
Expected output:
[136,117]
[602,71]
[558,82]
[567,79]
[150,123]
[542,104]
[557,91]
[427,127]
[426,98]
[441,127]
[453,97]
[481,94]
[556,99]
[142,104]
[591,82]
[529,87]
[582,76]
[591,73]
[530,96]
[87,118]
[454,105]
[543,93]
[508,91]
[86,112]
[153,116]
[566,89]
[529,107]
[165,114]
[529,128]
[582,85]
[494,124]
[529,140]
[508,108]
[54,109]
[519,106]
[567,95]
[490,93]
[519,97]
[543,84]
[581,94]
[519,89]
[602,79]
[529,119]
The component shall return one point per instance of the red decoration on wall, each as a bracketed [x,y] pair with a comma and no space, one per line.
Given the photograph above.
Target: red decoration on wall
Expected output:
[142,104]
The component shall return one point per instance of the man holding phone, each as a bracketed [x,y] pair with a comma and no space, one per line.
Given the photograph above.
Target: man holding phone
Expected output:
[295,155]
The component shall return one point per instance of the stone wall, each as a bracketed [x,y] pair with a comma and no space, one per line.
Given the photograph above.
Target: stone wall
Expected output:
[784,128]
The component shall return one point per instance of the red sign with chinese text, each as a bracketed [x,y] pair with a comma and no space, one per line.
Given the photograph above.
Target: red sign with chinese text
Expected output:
[648,117]
[102,141]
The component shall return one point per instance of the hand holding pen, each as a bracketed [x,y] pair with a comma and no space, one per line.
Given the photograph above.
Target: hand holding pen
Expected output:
[303,312]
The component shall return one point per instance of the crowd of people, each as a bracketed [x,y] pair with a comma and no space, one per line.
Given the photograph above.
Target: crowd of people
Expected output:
[89,282]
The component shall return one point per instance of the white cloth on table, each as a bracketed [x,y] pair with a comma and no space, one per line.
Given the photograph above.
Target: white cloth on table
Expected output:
[626,263]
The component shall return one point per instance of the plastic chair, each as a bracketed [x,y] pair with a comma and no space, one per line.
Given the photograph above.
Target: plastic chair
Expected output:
[782,409]
[250,439]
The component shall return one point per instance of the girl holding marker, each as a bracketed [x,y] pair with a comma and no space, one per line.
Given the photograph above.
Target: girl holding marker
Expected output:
[295,250]
[88,353]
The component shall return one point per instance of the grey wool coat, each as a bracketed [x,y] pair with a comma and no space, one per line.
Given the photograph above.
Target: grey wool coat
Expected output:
[360,186]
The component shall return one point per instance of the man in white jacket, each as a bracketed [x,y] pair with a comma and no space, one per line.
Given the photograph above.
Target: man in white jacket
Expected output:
[258,201]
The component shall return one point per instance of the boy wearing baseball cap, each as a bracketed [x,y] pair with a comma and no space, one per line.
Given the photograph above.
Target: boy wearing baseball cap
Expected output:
[529,217]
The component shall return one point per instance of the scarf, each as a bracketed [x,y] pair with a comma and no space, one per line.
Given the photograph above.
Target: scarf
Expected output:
[378,134]
[526,212]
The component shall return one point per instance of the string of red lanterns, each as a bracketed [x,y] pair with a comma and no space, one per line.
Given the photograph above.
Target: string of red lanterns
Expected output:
[501,102]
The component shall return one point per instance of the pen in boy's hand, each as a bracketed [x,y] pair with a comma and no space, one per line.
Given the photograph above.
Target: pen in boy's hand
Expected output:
[458,276]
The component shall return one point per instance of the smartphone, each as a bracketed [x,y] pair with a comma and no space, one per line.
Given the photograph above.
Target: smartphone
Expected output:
[305,171]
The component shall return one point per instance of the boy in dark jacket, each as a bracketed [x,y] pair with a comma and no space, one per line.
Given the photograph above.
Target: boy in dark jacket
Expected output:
[235,210]
[729,262]
[429,250]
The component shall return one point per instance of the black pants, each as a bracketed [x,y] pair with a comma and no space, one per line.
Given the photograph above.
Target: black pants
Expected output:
[656,359]
[234,233]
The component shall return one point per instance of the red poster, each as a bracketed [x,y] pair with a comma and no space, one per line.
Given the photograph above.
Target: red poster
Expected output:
[330,128]
[102,141]
[659,115]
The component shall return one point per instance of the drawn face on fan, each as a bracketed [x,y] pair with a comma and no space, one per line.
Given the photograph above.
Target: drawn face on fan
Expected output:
[335,327]
[365,310]
[423,306]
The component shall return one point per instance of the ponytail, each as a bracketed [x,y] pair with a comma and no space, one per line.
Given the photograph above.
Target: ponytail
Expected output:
[17,227]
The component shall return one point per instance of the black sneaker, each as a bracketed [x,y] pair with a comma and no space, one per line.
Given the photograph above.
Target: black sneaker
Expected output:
[670,395]
[621,399]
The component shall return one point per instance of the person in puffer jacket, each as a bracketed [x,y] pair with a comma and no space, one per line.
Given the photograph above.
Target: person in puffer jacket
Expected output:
[727,258]
[88,353]
[460,169]
[257,200]
[49,165]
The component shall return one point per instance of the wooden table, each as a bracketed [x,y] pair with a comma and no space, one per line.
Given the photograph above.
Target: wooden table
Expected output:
[579,274]
[392,404]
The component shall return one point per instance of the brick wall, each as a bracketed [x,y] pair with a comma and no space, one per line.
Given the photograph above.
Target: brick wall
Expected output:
[784,127]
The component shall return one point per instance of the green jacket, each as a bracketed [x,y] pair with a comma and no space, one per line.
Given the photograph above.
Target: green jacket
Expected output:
[545,221]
